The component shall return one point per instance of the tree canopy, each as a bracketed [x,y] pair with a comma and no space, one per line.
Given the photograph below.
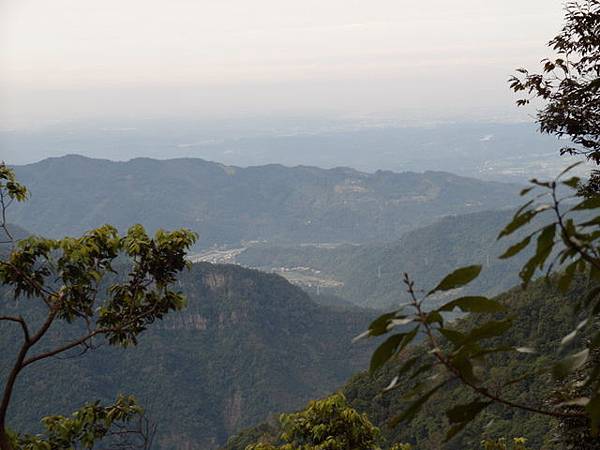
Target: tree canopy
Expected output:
[102,285]
[569,83]
[329,424]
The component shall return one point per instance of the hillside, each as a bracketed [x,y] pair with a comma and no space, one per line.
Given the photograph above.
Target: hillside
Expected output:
[228,204]
[370,274]
[248,345]
[542,317]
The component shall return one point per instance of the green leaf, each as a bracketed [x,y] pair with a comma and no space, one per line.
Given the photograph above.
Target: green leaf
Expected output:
[467,412]
[461,415]
[591,223]
[415,407]
[526,190]
[566,278]
[408,338]
[458,278]
[380,325]
[420,370]
[517,248]
[572,182]
[488,330]
[385,351]
[518,221]
[546,184]
[545,244]
[588,203]
[434,316]
[454,430]
[567,365]
[455,337]
[391,346]
[569,168]
[408,365]
[465,367]
[475,305]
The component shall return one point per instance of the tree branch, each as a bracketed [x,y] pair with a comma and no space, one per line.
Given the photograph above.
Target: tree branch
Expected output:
[443,359]
[21,322]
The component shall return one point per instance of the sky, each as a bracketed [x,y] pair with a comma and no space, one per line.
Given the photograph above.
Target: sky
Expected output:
[65,60]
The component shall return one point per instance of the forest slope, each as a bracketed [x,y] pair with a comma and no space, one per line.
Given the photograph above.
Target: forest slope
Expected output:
[542,317]
[248,345]
[371,274]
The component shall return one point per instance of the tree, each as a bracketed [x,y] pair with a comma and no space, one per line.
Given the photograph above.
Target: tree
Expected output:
[100,286]
[501,444]
[92,423]
[328,424]
[569,84]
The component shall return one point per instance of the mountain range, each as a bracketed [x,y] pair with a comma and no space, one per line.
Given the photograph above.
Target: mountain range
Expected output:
[228,204]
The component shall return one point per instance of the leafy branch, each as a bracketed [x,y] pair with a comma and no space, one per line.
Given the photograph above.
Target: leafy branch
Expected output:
[75,280]
[570,242]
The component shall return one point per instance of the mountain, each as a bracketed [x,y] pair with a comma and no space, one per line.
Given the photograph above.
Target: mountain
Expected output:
[491,151]
[542,316]
[248,345]
[228,204]
[371,274]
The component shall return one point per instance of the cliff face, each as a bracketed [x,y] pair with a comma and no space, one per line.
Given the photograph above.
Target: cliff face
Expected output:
[248,345]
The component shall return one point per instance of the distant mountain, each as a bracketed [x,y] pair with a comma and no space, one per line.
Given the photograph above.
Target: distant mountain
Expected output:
[228,204]
[371,274]
[491,151]
[248,345]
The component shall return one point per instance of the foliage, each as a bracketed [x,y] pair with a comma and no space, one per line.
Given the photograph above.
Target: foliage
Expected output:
[461,356]
[328,424]
[90,424]
[570,82]
[75,281]
[501,444]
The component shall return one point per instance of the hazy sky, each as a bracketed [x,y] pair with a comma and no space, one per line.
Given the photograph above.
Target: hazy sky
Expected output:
[70,59]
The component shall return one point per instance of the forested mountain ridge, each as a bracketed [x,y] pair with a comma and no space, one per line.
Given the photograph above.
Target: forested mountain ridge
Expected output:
[248,345]
[543,316]
[227,204]
[371,274]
